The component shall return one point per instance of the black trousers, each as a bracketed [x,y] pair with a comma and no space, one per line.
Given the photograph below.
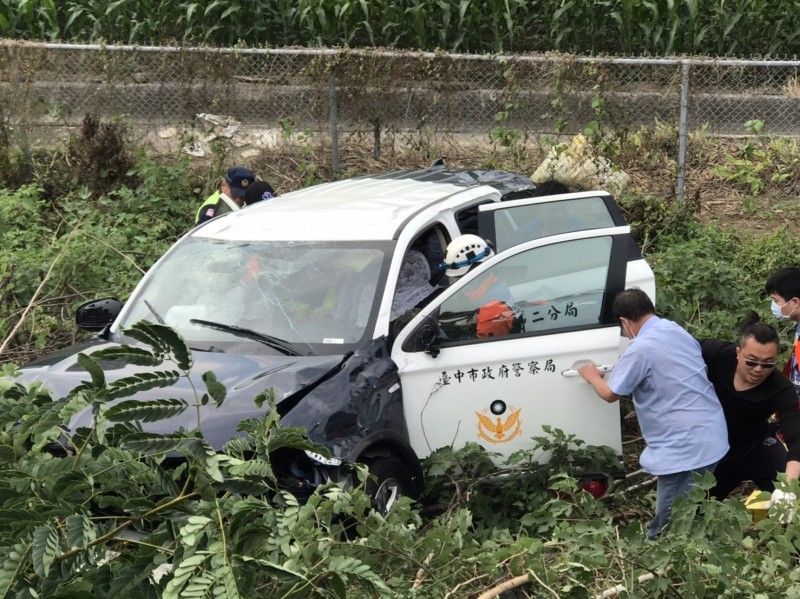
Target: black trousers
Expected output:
[759,463]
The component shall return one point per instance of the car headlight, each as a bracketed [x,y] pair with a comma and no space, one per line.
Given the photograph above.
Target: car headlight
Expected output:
[320,459]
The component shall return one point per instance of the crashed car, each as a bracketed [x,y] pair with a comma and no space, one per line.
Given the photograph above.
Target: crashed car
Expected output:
[310,294]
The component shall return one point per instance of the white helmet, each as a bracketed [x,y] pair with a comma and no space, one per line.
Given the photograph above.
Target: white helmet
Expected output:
[463,252]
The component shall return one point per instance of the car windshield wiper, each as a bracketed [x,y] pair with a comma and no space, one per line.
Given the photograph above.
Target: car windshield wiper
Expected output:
[155,313]
[281,345]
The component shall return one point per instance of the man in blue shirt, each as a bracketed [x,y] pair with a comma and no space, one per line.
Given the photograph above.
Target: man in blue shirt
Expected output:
[680,417]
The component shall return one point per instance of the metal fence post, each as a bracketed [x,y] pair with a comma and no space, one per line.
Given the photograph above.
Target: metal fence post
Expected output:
[334,116]
[683,132]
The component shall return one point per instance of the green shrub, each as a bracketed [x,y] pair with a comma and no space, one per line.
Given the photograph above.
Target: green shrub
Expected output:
[654,219]
[90,226]
[710,279]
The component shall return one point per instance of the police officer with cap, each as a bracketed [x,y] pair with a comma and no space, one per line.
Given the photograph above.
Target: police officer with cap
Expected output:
[230,195]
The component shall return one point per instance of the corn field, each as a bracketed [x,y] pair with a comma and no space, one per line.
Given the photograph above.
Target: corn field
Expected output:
[741,28]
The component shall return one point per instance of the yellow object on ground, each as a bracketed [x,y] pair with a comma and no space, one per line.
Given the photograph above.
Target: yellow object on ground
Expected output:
[757,503]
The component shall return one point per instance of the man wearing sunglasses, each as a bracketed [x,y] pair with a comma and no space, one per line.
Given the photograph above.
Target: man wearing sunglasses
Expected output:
[750,391]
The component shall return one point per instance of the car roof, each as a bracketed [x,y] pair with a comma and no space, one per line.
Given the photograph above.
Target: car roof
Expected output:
[372,207]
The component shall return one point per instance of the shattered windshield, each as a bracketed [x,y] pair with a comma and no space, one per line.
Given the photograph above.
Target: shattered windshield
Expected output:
[309,298]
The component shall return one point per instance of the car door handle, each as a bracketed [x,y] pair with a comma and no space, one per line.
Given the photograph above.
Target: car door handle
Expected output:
[574,371]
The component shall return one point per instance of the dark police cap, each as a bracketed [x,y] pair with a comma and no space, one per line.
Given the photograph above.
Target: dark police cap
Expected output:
[239,179]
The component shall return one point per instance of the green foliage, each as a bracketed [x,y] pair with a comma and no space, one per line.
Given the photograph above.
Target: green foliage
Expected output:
[655,221]
[761,162]
[73,237]
[629,27]
[109,518]
[710,279]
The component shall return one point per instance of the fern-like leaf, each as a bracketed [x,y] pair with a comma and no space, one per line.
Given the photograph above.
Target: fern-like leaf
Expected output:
[295,437]
[190,532]
[142,381]
[226,586]
[177,346]
[165,340]
[130,355]
[149,443]
[142,332]
[14,561]
[46,548]
[185,570]
[221,583]
[267,396]
[90,365]
[345,567]
[206,456]
[216,390]
[277,570]
[253,468]
[238,446]
[199,586]
[146,411]
[65,482]
[80,531]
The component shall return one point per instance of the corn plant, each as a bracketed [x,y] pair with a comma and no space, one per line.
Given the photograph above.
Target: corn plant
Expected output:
[34,19]
[629,27]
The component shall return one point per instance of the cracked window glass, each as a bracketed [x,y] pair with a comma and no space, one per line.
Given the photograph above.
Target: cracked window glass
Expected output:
[321,294]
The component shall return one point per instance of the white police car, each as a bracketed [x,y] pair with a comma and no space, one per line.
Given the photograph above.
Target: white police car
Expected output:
[334,296]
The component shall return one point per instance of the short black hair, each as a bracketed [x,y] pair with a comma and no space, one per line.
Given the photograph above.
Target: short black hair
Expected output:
[785,282]
[632,304]
[257,191]
[752,328]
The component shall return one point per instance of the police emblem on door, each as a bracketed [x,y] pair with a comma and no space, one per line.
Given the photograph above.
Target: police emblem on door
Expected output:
[499,423]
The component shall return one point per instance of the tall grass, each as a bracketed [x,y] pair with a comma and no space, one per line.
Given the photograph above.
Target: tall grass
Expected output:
[628,27]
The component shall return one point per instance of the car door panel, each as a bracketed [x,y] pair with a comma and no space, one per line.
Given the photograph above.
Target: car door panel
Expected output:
[500,396]
[500,391]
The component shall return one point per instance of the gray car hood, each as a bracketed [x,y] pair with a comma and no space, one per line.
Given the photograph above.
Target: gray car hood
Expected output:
[244,377]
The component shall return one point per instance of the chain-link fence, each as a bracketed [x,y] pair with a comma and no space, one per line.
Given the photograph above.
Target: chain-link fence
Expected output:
[376,93]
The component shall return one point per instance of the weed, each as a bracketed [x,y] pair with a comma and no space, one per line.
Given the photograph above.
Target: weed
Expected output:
[761,163]
[99,155]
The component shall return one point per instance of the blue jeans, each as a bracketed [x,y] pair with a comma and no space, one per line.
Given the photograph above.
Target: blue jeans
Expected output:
[668,488]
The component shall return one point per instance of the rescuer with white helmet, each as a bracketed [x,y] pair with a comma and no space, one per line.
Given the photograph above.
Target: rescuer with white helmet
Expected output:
[463,252]
[495,314]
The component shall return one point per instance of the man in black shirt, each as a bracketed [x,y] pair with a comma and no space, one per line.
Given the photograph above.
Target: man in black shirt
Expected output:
[751,391]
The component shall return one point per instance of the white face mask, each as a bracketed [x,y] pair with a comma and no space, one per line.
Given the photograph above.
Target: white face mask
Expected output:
[777,311]
[627,330]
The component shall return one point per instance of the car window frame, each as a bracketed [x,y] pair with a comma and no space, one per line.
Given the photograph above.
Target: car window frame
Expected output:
[487,213]
[615,282]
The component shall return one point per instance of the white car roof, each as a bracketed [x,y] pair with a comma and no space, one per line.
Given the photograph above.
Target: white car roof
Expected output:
[363,208]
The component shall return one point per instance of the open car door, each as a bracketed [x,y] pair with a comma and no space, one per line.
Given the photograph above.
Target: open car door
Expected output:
[500,390]
[512,222]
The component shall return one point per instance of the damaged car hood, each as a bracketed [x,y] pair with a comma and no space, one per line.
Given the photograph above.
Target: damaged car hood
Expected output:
[244,377]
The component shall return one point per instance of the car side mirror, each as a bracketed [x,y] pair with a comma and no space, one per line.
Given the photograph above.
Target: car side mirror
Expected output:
[426,337]
[97,314]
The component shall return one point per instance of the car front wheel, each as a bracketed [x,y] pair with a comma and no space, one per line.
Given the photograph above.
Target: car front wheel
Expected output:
[389,480]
